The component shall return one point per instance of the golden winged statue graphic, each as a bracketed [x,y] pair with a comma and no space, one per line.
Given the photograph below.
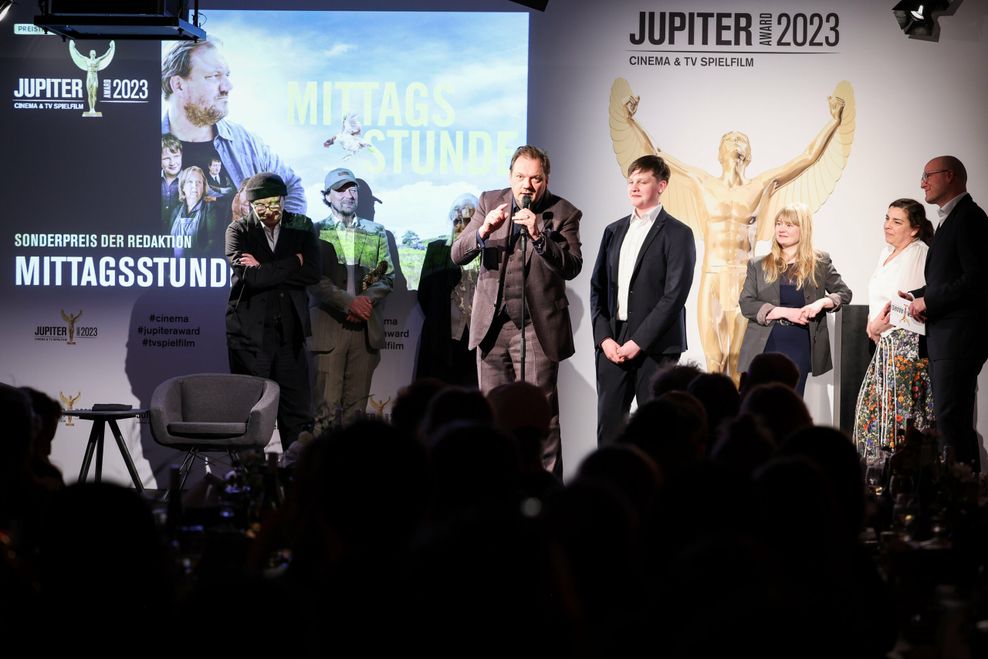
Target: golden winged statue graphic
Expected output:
[379,406]
[730,211]
[70,321]
[69,402]
[92,65]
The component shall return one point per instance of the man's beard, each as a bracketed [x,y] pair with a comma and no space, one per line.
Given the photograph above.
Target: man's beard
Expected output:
[341,212]
[200,115]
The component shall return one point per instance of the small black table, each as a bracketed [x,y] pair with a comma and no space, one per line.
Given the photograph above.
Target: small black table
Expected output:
[100,418]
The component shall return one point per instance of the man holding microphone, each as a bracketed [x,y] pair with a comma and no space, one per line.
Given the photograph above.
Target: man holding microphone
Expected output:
[505,309]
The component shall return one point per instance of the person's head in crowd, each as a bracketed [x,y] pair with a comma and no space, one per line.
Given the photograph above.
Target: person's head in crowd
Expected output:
[767,367]
[944,178]
[47,414]
[461,212]
[719,397]
[743,445]
[359,489]
[671,430]
[191,187]
[905,222]
[239,206]
[796,510]
[454,404]
[597,532]
[101,538]
[779,408]
[266,197]
[674,377]
[171,156]
[410,404]
[475,468]
[341,194]
[18,430]
[522,410]
[520,404]
[529,173]
[694,409]
[628,470]
[195,81]
[834,453]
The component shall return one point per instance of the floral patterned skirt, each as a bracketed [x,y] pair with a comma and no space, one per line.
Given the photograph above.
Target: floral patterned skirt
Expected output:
[896,388]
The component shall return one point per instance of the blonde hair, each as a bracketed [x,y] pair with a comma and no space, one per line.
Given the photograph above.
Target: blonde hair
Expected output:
[774,264]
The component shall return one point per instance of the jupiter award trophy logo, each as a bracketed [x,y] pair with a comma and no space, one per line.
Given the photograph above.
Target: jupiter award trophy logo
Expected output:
[92,65]
[70,321]
[69,402]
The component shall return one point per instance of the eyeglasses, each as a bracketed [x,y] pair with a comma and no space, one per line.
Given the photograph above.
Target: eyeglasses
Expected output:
[270,206]
[927,175]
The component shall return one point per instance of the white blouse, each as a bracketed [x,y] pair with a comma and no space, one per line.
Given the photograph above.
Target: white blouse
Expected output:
[903,273]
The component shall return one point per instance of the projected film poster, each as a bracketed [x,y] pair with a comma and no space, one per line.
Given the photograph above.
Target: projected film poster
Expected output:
[120,265]
[414,104]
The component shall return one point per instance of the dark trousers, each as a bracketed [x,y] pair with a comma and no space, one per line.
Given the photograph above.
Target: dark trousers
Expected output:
[499,362]
[955,393]
[619,384]
[284,360]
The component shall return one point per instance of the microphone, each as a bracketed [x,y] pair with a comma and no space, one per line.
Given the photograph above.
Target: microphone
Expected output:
[526,202]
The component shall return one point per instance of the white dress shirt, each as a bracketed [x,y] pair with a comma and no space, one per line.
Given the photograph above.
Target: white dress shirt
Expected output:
[638,228]
[272,235]
[944,210]
[903,273]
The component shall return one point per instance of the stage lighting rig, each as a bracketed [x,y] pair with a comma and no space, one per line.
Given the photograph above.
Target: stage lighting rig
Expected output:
[918,18]
[114,19]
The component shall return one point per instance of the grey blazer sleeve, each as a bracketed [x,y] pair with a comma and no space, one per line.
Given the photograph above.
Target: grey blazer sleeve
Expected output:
[834,286]
[753,302]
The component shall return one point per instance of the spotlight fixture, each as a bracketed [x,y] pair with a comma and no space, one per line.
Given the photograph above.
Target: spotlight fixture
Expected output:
[918,18]
[5,6]
[113,19]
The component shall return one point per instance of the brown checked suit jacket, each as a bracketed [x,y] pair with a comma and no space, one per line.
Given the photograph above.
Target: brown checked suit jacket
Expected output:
[547,273]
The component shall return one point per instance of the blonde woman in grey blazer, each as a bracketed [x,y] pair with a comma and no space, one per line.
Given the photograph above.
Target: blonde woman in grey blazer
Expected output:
[786,294]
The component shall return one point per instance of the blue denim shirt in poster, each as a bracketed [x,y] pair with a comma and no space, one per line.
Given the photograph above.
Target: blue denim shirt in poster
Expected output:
[244,155]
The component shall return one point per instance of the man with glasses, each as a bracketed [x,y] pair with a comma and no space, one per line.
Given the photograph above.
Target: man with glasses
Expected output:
[954,304]
[357,274]
[267,316]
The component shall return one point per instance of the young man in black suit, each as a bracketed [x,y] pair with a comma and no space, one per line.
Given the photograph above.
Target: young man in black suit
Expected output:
[267,317]
[638,292]
[954,304]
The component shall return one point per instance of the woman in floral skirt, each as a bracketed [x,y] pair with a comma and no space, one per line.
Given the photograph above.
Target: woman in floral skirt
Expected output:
[896,386]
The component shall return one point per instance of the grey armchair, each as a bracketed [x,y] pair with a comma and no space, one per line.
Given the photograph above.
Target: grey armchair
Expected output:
[213,412]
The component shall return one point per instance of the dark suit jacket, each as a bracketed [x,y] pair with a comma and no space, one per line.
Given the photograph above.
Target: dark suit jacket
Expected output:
[436,283]
[758,297]
[545,286]
[279,271]
[209,233]
[660,284]
[956,290]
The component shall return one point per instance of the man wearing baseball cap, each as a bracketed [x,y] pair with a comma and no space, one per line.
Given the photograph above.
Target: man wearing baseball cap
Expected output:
[357,274]
[267,316]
